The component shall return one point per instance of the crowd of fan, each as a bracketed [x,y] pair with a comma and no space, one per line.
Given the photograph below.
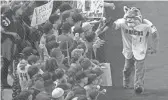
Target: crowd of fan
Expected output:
[56,59]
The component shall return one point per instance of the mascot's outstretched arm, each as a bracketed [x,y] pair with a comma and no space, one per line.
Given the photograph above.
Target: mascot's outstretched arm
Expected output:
[153,42]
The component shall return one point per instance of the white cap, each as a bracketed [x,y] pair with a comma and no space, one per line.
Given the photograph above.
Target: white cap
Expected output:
[75,98]
[57,92]
[104,90]
[98,87]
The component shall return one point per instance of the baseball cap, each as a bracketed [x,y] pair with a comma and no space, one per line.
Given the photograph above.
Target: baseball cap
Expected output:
[57,93]
[27,51]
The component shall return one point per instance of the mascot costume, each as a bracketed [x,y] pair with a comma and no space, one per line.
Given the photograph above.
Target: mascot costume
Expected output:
[140,38]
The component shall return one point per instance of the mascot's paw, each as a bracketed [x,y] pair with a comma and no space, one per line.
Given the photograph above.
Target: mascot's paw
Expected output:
[138,90]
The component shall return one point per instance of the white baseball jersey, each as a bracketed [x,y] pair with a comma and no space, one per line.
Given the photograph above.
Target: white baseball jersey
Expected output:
[134,39]
[22,70]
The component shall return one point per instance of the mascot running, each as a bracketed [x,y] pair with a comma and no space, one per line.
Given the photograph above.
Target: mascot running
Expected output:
[140,38]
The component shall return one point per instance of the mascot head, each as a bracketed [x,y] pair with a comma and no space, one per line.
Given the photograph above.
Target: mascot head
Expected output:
[132,16]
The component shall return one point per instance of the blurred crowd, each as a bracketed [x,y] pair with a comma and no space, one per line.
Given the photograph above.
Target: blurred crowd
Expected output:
[55,60]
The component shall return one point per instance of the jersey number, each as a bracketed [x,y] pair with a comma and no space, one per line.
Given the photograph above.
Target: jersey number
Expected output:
[140,39]
[23,76]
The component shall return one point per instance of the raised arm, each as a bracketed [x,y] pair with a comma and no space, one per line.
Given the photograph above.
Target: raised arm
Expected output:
[103,27]
[110,24]
[111,5]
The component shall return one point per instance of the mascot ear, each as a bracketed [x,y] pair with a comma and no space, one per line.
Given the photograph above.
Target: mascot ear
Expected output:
[126,9]
[139,9]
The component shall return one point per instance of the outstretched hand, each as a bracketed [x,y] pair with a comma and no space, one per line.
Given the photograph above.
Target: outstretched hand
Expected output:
[98,43]
[112,6]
